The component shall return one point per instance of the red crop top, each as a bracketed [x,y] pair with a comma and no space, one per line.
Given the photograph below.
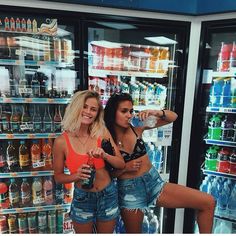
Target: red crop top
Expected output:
[75,160]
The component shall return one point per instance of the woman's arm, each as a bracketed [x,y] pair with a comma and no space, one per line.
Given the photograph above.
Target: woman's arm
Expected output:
[59,154]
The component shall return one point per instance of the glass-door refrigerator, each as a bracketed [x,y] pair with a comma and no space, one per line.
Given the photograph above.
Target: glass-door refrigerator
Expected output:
[148,60]
[212,157]
[38,78]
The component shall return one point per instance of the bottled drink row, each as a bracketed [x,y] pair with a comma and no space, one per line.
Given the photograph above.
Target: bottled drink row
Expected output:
[224,192]
[222,128]
[33,222]
[223,92]
[155,155]
[106,55]
[28,119]
[40,84]
[26,155]
[221,159]
[33,192]
[227,57]
[143,93]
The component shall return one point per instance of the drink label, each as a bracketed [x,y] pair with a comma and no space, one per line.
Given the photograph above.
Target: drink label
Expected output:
[14,197]
[57,126]
[25,126]
[37,126]
[48,126]
[24,160]
[15,126]
[11,160]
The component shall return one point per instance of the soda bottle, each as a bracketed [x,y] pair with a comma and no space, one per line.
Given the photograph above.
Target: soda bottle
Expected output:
[24,158]
[23,84]
[232,163]
[7,24]
[227,129]
[37,120]
[223,160]
[14,195]
[47,121]
[60,220]
[32,222]
[224,56]
[68,192]
[37,191]
[22,223]
[88,183]
[35,151]
[4,197]
[12,24]
[23,25]
[3,225]
[26,120]
[29,25]
[57,119]
[214,128]
[3,160]
[12,224]
[225,100]
[26,194]
[48,191]
[12,158]
[211,158]
[35,26]
[47,154]
[42,222]
[52,222]
[18,28]
[35,85]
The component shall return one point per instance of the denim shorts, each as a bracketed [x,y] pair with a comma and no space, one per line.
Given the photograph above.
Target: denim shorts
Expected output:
[91,206]
[140,192]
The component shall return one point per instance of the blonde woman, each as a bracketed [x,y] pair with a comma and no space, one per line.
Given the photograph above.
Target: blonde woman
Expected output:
[84,130]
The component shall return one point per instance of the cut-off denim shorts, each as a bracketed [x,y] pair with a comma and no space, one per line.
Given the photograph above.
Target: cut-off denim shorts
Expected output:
[91,206]
[141,192]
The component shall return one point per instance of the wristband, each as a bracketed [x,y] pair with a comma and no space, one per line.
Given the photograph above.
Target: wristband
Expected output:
[163,117]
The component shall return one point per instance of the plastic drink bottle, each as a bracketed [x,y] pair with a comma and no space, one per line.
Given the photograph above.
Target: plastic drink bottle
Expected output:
[47,154]
[12,157]
[4,198]
[150,121]
[48,191]
[35,155]
[214,128]
[211,158]
[223,199]
[232,203]
[37,191]
[59,193]
[3,162]
[42,222]
[14,195]
[232,163]
[223,160]
[227,129]
[26,195]
[154,225]
[68,194]
[145,225]
[24,158]
[225,100]
[22,224]
[88,183]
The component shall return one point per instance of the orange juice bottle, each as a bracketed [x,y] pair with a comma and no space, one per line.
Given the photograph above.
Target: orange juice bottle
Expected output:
[35,155]
[47,154]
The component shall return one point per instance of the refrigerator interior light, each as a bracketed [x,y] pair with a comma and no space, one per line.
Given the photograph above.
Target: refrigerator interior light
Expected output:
[117,26]
[106,44]
[161,40]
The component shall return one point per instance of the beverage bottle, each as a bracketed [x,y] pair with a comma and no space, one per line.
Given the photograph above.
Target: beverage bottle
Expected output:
[4,200]
[24,157]
[60,220]
[37,120]
[57,49]
[224,57]
[204,185]
[12,24]
[225,100]
[12,224]
[35,26]
[88,183]
[15,120]
[47,55]
[12,157]
[25,192]
[68,193]
[37,191]
[234,133]
[232,163]
[216,92]
[47,121]
[18,28]
[158,159]
[211,158]
[213,189]
[59,193]
[214,127]
[32,222]
[3,160]
[232,65]
[227,129]
[3,225]
[223,160]
[35,85]
[145,225]
[154,225]
[57,119]
[26,120]
[223,199]
[48,191]
[150,121]
[22,223]
[23,25]
[35,151]
[13,92]
[5,122]
[52,222]
[7,24]
[14,194]
[42,222]
[47,154]
[23,84]
[232,203]
[29,25]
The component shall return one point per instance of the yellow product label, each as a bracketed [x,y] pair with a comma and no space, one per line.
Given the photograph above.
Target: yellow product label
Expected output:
[24,160]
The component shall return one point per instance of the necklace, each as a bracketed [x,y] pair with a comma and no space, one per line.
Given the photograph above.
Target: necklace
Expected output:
[80,139]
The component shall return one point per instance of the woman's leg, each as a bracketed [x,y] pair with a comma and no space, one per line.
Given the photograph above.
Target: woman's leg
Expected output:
[86,228]
[178,196]
[106,227]
[133,220]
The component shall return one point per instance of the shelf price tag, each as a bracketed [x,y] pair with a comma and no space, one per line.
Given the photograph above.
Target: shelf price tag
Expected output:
[7,100]
[9,136]
[31,135]
[51,100]
[34,173]
[52,135]
[29,100]
[67,225]
[19,210]
[13,174]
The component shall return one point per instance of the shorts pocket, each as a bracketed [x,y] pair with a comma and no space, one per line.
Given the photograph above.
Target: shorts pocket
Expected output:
[80,195]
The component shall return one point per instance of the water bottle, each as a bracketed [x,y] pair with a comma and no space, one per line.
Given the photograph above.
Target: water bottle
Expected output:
[154,225]
[145,226]
[223,199]
[225,100]
[216,91]
[232,203]
[226,227]
[151,152]
[150,121]
[204,185]
[158,158]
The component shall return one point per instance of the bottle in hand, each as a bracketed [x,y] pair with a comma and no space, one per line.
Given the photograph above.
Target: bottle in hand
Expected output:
[88,183]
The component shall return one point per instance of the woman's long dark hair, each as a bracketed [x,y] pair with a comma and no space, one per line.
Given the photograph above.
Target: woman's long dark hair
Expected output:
[111,108]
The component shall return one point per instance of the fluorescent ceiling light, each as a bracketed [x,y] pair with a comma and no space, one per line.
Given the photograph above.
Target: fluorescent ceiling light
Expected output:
[117,26]
[161,40]
[62,32]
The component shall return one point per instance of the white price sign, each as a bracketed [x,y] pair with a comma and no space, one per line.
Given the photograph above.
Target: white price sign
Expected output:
[67,224]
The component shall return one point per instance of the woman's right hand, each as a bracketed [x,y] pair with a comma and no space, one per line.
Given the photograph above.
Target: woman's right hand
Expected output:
[133,165]
[83,172]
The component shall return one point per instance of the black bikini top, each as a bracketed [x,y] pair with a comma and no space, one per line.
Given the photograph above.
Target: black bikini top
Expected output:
[139,149]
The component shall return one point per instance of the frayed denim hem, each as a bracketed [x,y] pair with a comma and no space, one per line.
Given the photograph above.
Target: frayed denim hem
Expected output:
[144,210]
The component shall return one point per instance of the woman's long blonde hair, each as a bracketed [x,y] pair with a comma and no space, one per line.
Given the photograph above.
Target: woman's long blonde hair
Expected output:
[72,119]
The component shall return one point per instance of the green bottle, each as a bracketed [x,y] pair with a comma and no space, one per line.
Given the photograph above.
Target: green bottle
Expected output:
[214,128]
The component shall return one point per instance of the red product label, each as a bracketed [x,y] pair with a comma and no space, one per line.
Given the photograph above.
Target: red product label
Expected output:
[223,166]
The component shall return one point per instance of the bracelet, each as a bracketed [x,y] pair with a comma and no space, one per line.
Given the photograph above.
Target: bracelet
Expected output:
[163,117]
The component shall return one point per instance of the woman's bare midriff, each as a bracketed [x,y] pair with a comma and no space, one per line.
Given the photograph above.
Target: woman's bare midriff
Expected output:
[102,179]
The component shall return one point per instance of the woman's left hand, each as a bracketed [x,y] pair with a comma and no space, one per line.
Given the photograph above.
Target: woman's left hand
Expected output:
[97,153]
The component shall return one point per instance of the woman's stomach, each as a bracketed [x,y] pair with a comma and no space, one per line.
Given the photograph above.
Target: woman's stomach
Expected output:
[102,179]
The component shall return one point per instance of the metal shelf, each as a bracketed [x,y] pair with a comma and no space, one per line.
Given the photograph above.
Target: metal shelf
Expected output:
[35,209]
[221,174]
[35,100]
[29,136]
[225,218]
[221,109]
[27,174]
[220,143]
[223,74]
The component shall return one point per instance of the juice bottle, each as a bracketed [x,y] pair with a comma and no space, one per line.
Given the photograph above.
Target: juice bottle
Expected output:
[4,199]
[14,195]
[35,155]
[47,154]
[26,120]
[57,119]
[37,191]
[26,195]
[48,191]
[12,157]
[37,120]
[3,225]
[12,224]
[15,120]
[211,158]
[24,158]
[32,222]
[22,224]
